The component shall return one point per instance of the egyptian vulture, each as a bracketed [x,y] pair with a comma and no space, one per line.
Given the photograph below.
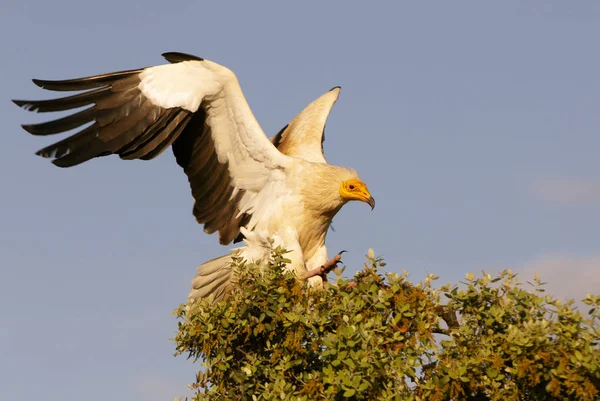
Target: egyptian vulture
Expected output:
[245,186]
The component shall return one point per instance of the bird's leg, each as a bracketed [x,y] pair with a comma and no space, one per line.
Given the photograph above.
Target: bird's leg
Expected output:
[323,270]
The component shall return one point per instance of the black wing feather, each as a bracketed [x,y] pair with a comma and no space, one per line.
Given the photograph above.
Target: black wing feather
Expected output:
[176,57]
[130,150]
[79,84]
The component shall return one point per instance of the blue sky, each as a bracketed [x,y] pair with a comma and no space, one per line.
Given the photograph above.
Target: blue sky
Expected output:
[475,125]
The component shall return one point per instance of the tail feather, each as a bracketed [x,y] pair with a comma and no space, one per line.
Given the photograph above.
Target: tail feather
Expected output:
[214,277]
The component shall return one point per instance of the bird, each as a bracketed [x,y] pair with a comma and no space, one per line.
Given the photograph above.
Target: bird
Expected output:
[260,191]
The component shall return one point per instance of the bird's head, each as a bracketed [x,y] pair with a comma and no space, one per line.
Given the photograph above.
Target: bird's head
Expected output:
[356,190]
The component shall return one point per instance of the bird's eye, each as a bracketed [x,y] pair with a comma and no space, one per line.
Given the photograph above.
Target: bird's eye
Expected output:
[351,187]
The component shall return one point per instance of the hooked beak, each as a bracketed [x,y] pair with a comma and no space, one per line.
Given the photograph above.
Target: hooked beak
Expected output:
[371,202]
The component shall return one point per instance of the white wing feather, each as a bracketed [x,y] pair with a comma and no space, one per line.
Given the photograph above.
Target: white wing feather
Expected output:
[303,136]
[255,165]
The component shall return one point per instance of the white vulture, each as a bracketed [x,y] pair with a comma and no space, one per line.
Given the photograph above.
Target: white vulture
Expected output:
[245,186]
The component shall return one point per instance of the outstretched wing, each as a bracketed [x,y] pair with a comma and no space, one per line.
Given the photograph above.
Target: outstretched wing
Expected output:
[303,137]
[195,105]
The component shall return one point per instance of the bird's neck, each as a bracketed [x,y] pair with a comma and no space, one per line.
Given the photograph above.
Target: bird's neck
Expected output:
[313,232]
[321,201]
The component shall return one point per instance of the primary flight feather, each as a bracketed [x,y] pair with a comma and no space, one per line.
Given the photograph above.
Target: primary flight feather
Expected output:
[245,186]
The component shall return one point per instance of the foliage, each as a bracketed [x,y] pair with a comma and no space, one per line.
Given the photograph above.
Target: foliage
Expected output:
[379,337]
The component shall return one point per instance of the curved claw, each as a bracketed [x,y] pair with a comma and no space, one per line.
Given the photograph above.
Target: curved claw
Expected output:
[337,259]
[326,268]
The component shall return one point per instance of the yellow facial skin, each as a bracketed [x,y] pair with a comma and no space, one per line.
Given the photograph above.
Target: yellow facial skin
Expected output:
[356,190]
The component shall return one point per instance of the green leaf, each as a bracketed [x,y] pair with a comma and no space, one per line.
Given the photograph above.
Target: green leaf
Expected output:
[380,339]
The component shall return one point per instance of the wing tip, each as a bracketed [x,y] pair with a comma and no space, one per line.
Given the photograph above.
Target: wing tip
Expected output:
[51,154]
[58,163]
[40,82]
[31,128]
[29,105]
[47,84]
[177,57]
[20,103]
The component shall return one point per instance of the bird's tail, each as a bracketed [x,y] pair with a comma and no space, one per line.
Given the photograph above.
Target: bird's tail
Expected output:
[214,278]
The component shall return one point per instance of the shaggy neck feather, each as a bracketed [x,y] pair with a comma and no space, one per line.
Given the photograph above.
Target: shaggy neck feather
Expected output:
[322,200]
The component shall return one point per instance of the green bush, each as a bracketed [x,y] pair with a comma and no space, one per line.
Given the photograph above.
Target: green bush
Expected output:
[379,337]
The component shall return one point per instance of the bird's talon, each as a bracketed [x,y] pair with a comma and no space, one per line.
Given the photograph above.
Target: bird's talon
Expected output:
[326,268]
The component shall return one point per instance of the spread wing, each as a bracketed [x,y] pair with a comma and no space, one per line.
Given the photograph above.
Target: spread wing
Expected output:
[195,105]
[303,137]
